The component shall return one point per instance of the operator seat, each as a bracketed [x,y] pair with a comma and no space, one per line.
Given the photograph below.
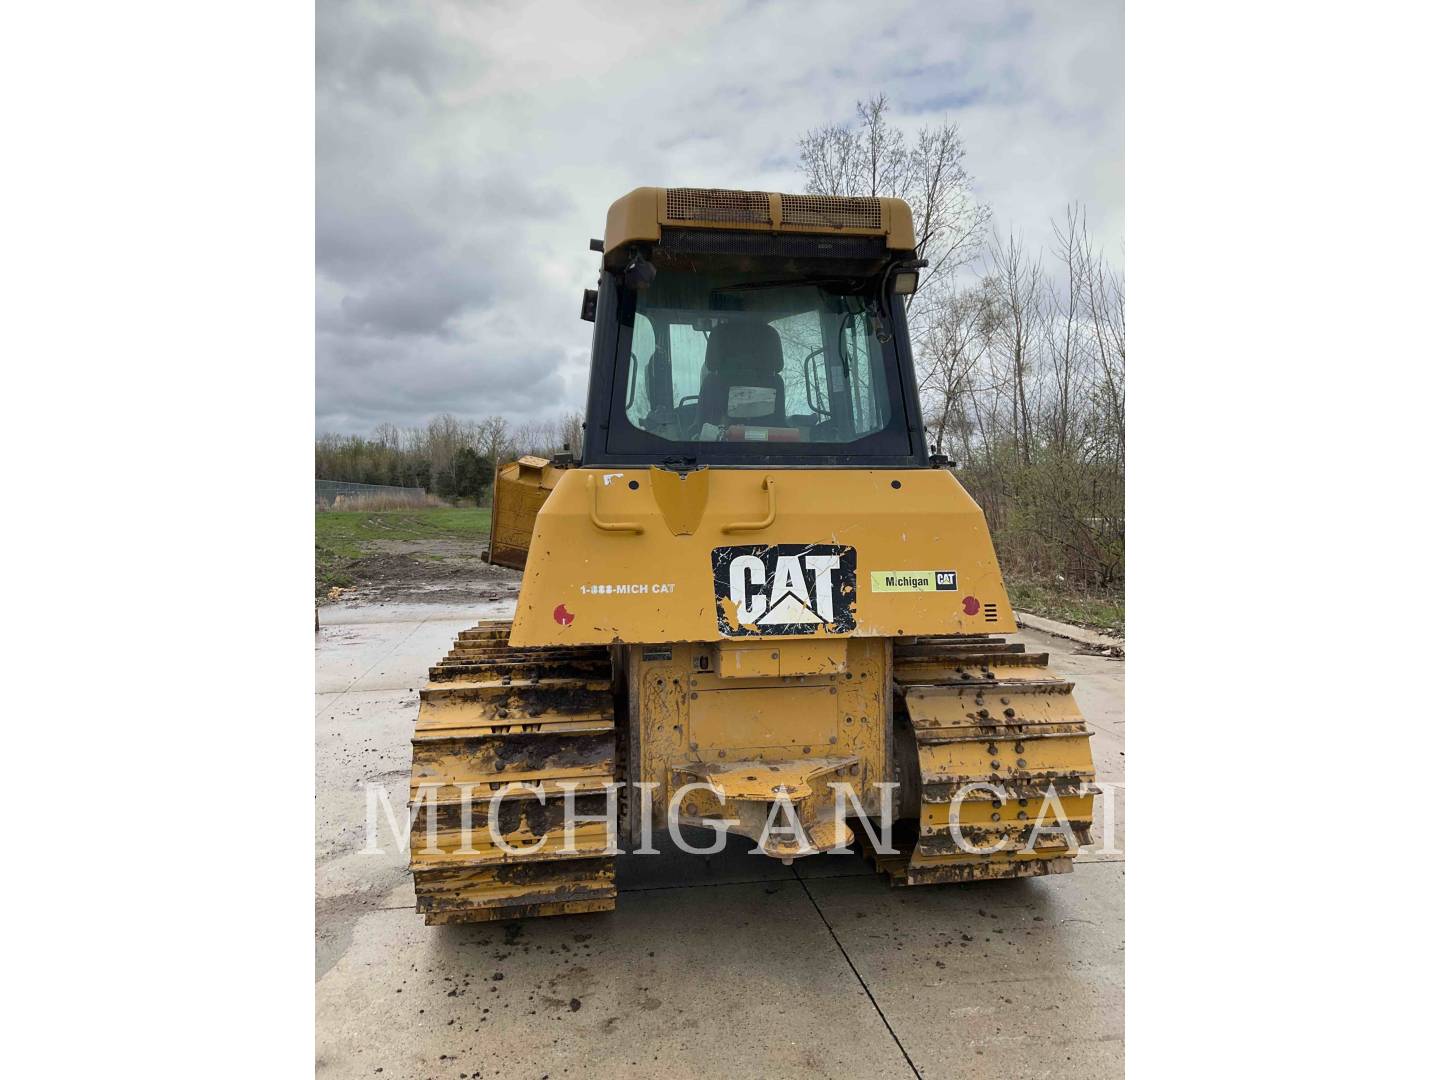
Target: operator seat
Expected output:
[741,381]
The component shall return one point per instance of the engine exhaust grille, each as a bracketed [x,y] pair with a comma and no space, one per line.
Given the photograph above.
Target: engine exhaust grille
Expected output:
[830,210]
[711,204]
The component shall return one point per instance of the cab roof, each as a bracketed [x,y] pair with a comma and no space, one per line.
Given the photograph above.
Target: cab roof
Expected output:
[640,216]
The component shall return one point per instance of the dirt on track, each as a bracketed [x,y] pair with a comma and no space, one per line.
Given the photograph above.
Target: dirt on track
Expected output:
[425,572]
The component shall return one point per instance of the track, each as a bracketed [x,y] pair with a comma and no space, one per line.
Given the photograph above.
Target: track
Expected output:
[978,711]
[491,717]
[496,723]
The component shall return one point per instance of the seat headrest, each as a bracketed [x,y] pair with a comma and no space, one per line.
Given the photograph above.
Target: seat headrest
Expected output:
[748,347]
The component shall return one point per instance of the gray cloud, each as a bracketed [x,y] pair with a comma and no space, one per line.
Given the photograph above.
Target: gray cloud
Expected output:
[465,153]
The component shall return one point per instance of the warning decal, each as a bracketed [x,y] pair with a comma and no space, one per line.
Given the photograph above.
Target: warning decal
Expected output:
[784,589]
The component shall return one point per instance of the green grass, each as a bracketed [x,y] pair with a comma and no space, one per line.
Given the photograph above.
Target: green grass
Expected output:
[343,535]
[1099,611]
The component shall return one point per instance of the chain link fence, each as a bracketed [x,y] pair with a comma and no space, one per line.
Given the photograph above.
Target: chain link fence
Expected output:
[340,495]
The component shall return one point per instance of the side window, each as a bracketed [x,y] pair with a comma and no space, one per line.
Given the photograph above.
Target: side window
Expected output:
[687,360]
[870,399]
[858,353]
[807,391]
[642,350]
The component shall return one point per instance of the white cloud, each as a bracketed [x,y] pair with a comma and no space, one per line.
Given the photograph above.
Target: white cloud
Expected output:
[467,152]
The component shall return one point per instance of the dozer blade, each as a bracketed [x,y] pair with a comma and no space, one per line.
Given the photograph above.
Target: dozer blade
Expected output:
[498,729]
[1000,757]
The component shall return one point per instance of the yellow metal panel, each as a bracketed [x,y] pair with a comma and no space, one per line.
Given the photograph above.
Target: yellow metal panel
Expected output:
[765,718]
[585,585]
[822,657]
[521,489]
[639,216]
[747,658]
[681,497]
[740,660]
[634,218]
[684,715]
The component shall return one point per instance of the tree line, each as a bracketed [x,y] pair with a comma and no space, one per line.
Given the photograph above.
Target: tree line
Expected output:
[449,457]
[1021,360]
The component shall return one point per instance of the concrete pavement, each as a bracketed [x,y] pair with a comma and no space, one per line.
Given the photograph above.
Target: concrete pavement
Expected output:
[732,965]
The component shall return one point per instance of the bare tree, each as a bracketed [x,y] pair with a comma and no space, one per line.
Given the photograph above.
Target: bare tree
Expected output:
[1064,326]
[492,436]
[1022,379]
[572,431]
[873,157]
[1014,289]
[388,436]
[952,361]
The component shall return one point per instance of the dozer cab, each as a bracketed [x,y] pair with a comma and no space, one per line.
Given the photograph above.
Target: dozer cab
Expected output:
[753,603]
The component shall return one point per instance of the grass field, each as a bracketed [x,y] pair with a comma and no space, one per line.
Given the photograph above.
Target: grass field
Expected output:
[1099,611]
[344,535]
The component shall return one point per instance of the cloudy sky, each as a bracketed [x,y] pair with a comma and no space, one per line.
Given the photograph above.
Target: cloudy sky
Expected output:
[467,151]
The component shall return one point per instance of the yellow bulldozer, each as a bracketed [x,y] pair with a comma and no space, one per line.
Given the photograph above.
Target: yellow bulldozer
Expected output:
[754,601]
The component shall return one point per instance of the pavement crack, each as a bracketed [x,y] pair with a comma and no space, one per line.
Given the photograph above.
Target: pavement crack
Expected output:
[856,972]
[379,660]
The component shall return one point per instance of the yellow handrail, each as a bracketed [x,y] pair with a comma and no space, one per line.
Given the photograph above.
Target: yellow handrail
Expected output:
[607,526]
[764,523]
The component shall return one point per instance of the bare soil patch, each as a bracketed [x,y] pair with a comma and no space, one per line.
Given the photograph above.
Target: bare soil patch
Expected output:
[439,572]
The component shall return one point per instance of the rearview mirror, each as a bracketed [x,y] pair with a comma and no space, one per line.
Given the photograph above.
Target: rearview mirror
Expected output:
[639,273]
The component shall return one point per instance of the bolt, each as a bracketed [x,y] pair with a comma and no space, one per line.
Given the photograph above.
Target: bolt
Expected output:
[994,817]
[722,753]
[1024,802]
[1004,701]
[1020,764]
[994,764]
[804,749]
[774,656]
[995,803]
[1010,713]
[992,749]
[984,714]
[834,739]
[1019,748]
